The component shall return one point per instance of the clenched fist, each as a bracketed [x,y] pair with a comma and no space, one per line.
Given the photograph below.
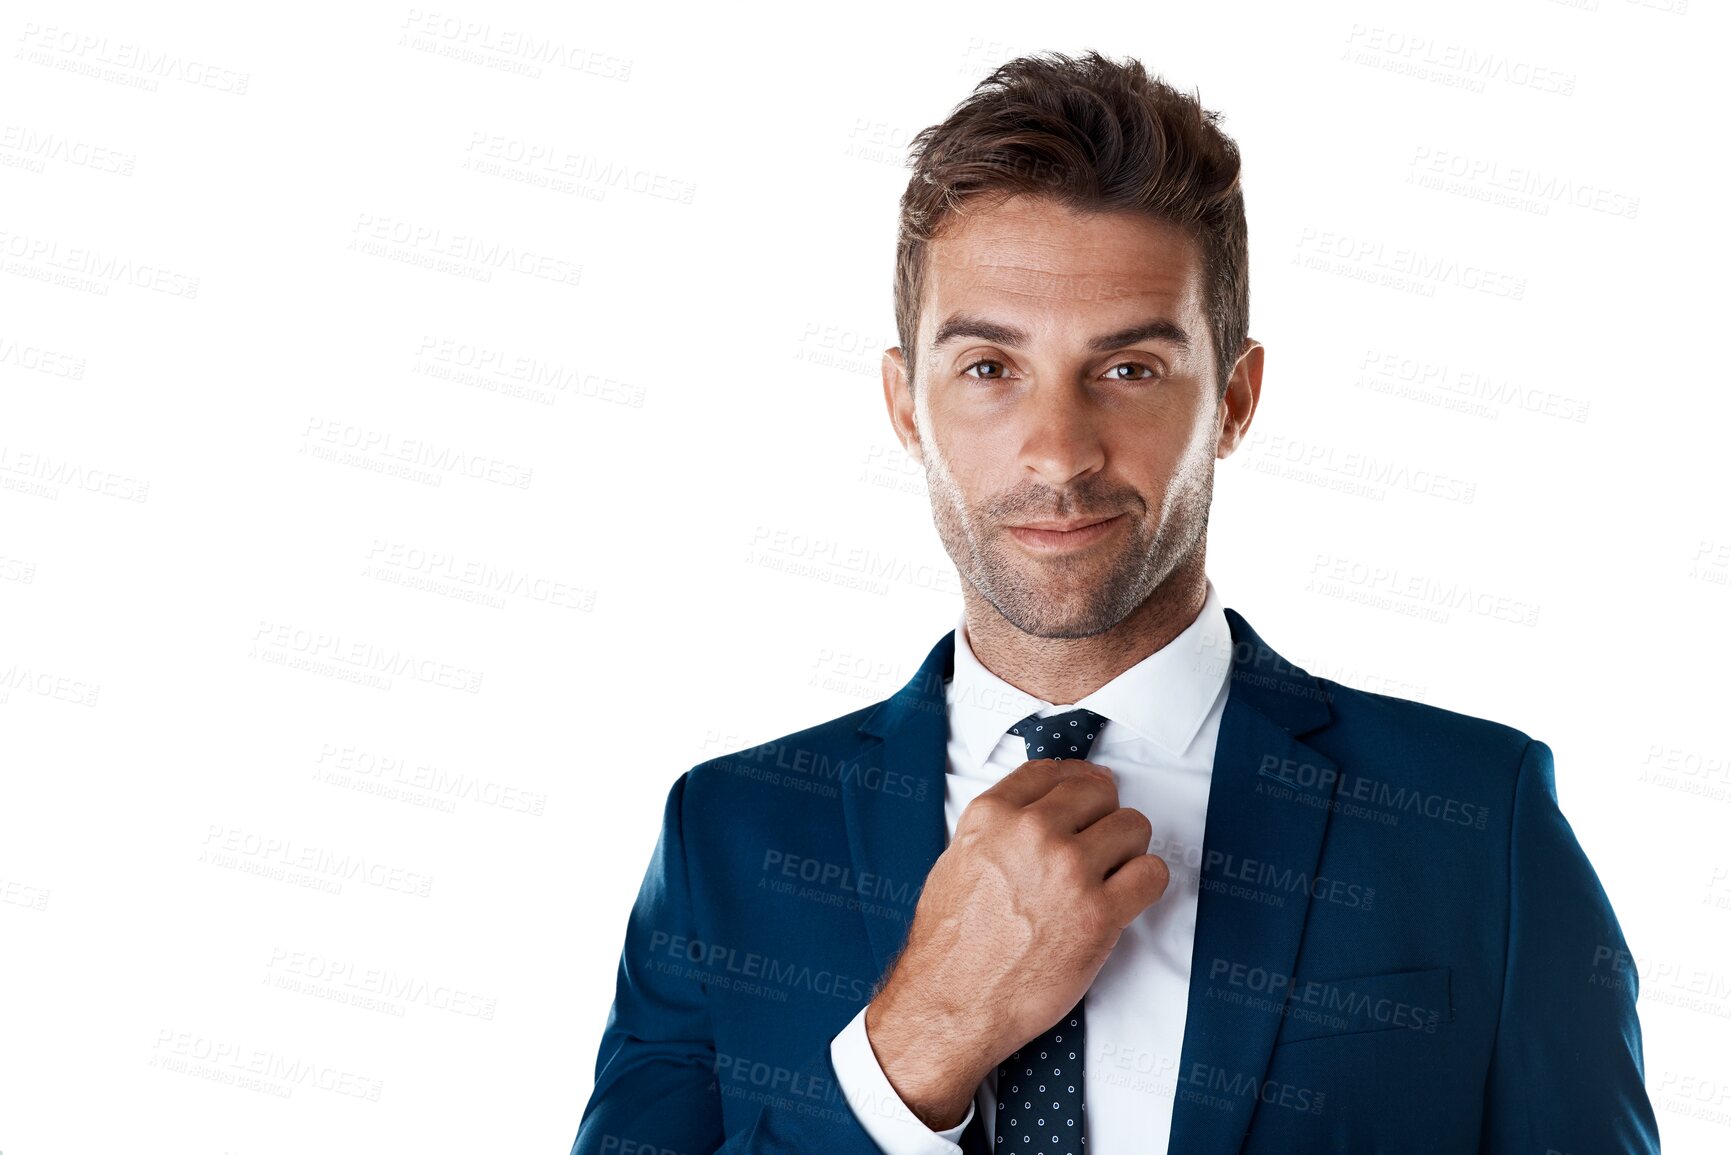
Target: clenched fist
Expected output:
[1018,915]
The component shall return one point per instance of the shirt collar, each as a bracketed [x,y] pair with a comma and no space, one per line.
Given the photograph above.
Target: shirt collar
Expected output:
[1164,697]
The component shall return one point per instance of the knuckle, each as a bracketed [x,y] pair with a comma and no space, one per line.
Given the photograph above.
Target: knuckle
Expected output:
[1069,858]
[1105,783]
[1028,826]
[983,807]
[1140,823]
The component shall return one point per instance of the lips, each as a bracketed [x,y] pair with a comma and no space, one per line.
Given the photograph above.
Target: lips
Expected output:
[1066,526]
[1074,534]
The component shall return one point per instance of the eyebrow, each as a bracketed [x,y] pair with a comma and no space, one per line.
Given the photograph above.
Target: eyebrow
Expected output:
[960,325]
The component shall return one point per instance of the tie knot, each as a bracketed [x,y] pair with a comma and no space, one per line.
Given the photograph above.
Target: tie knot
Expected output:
[1066,735]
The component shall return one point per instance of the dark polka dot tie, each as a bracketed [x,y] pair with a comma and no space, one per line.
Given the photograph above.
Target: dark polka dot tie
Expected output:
[1040,1086]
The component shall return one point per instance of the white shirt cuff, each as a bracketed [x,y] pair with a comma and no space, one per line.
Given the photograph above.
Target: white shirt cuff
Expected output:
[894,1128]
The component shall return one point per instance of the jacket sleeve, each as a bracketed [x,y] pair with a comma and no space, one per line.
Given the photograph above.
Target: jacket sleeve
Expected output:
[659,1083]
[1566,1074]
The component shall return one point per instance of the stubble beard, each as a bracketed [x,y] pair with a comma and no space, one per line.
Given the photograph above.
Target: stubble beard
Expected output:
[1054,596]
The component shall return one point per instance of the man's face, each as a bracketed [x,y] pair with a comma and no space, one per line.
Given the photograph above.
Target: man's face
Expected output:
[1066,374]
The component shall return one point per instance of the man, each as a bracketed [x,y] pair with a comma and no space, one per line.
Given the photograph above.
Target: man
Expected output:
[1108,874]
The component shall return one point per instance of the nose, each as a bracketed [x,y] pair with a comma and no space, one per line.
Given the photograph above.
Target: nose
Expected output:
[1061,433]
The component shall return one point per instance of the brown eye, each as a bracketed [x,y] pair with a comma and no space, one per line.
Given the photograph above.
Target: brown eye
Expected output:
[985,361]
[1132,365]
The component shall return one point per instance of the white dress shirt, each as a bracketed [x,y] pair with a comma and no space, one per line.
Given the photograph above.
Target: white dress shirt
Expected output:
[1163,721]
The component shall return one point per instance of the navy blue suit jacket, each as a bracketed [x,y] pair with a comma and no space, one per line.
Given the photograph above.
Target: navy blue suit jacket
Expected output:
[1400,945]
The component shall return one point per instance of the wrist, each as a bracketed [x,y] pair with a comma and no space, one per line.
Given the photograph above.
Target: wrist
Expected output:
[933,1059]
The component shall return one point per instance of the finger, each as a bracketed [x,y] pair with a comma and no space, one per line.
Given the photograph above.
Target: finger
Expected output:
[1118,836]
[1135,886]
[1030,781]
[1077,802]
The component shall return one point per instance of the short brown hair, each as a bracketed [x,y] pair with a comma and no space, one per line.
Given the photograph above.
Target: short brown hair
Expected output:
[1099,136]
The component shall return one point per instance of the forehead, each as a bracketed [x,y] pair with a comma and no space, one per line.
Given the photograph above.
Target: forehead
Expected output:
[1037,263]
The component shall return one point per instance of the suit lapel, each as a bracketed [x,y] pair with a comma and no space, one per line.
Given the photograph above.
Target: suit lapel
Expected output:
[896,834]
[1260,850]
[1259,845]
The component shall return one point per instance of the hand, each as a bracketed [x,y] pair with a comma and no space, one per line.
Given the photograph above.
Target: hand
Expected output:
[1017,916]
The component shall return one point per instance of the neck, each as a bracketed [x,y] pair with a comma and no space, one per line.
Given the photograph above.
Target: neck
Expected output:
[1063,671]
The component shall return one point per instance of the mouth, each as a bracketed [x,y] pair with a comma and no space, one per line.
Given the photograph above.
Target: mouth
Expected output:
[1057,536]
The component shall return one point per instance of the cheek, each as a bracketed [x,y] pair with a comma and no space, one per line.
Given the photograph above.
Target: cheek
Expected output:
[1155,449]
[1163,464]
[1184,440]
[972,456]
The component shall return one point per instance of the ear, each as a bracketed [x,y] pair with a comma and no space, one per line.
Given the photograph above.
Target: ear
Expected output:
[1238,404]
[899,399]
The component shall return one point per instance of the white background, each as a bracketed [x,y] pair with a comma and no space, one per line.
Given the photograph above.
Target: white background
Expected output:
[228,335]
